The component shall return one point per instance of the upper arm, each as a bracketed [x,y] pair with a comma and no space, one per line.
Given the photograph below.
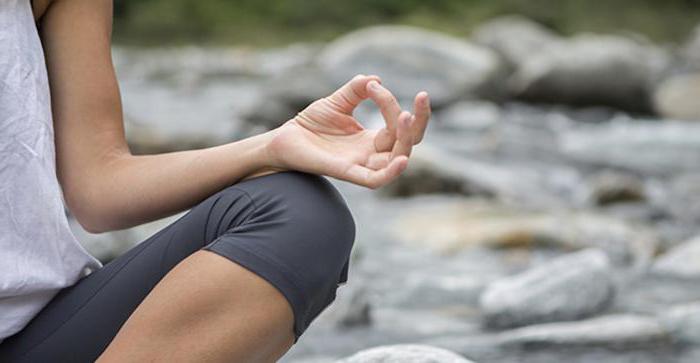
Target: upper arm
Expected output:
[85,100]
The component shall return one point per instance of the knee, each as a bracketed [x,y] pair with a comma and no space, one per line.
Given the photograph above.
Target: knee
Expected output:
[302,225]
[303,205]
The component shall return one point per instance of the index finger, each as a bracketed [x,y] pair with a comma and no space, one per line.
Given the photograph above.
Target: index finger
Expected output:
[349,95]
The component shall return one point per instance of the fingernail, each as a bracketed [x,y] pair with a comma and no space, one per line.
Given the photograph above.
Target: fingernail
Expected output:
[374,85]
[406,117]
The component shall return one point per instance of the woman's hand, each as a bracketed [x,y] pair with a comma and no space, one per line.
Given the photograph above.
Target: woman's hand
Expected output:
[326,139]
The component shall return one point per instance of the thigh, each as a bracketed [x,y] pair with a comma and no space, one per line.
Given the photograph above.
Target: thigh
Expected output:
[82,319]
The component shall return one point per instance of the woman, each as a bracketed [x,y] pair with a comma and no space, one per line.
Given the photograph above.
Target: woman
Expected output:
[238,278]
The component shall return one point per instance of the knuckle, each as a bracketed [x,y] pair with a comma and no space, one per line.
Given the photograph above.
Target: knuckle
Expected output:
[386,97]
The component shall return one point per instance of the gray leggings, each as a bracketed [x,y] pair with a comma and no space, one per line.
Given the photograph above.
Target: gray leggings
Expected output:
[292,229]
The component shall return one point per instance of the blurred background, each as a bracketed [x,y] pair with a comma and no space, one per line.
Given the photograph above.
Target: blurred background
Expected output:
[551,212]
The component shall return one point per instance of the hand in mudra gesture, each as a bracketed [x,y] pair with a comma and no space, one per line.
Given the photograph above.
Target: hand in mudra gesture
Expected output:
[326,139]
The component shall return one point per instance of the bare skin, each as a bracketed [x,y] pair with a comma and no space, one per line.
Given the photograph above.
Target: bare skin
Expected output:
[207,309]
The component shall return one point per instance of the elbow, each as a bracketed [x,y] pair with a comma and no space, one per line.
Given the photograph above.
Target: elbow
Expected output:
[90,217]
[93,225]
[88,200]
[89,207]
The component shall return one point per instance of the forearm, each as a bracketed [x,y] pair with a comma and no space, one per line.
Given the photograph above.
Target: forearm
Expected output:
[125,190]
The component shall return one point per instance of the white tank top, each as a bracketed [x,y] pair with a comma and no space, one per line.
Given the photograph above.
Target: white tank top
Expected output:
[38,253]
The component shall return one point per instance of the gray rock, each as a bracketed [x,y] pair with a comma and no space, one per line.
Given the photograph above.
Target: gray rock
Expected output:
[300,86]
[441,169]
[681,198]
[421,291]
[352,308]
[473,116]
[611,187]
[612,331]
[160,117]
[432,171]
[656,148]
[683,322]
[286,94]
[681,261]
[591,70]
[676,97]
[405,353]
[412,59]
[452,226]
[269,113]
[567,288]
[691,50]
[515,37]
[199,64]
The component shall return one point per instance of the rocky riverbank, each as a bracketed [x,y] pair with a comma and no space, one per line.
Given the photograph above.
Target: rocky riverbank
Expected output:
[551,214]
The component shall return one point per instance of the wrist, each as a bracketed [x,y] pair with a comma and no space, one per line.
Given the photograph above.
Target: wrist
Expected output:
[269,157]
[268,161]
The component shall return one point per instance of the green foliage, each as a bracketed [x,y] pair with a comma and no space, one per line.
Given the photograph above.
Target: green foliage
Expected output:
[271,22]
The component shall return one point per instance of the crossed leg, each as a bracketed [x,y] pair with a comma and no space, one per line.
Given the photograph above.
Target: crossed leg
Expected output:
[232,315]
[236,279]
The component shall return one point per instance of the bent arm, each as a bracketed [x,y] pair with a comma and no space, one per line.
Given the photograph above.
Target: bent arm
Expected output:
[104,185]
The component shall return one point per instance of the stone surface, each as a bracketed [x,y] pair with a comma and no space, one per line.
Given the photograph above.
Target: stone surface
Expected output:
[469,116]
[515,38]
[612,331]
[683,322]
[405,353]
[609,187]
[352,307]
[570,287]
[412,59]
[676,97]
[691,49]
[456,225]
[649,148]
[434,171]
[681,261]
[591,70]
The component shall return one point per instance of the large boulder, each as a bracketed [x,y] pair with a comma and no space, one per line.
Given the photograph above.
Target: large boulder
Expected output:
[405,353]
[567,288]
[681,261]
[412,59]
[591,70]
[515,38]
[677,97]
